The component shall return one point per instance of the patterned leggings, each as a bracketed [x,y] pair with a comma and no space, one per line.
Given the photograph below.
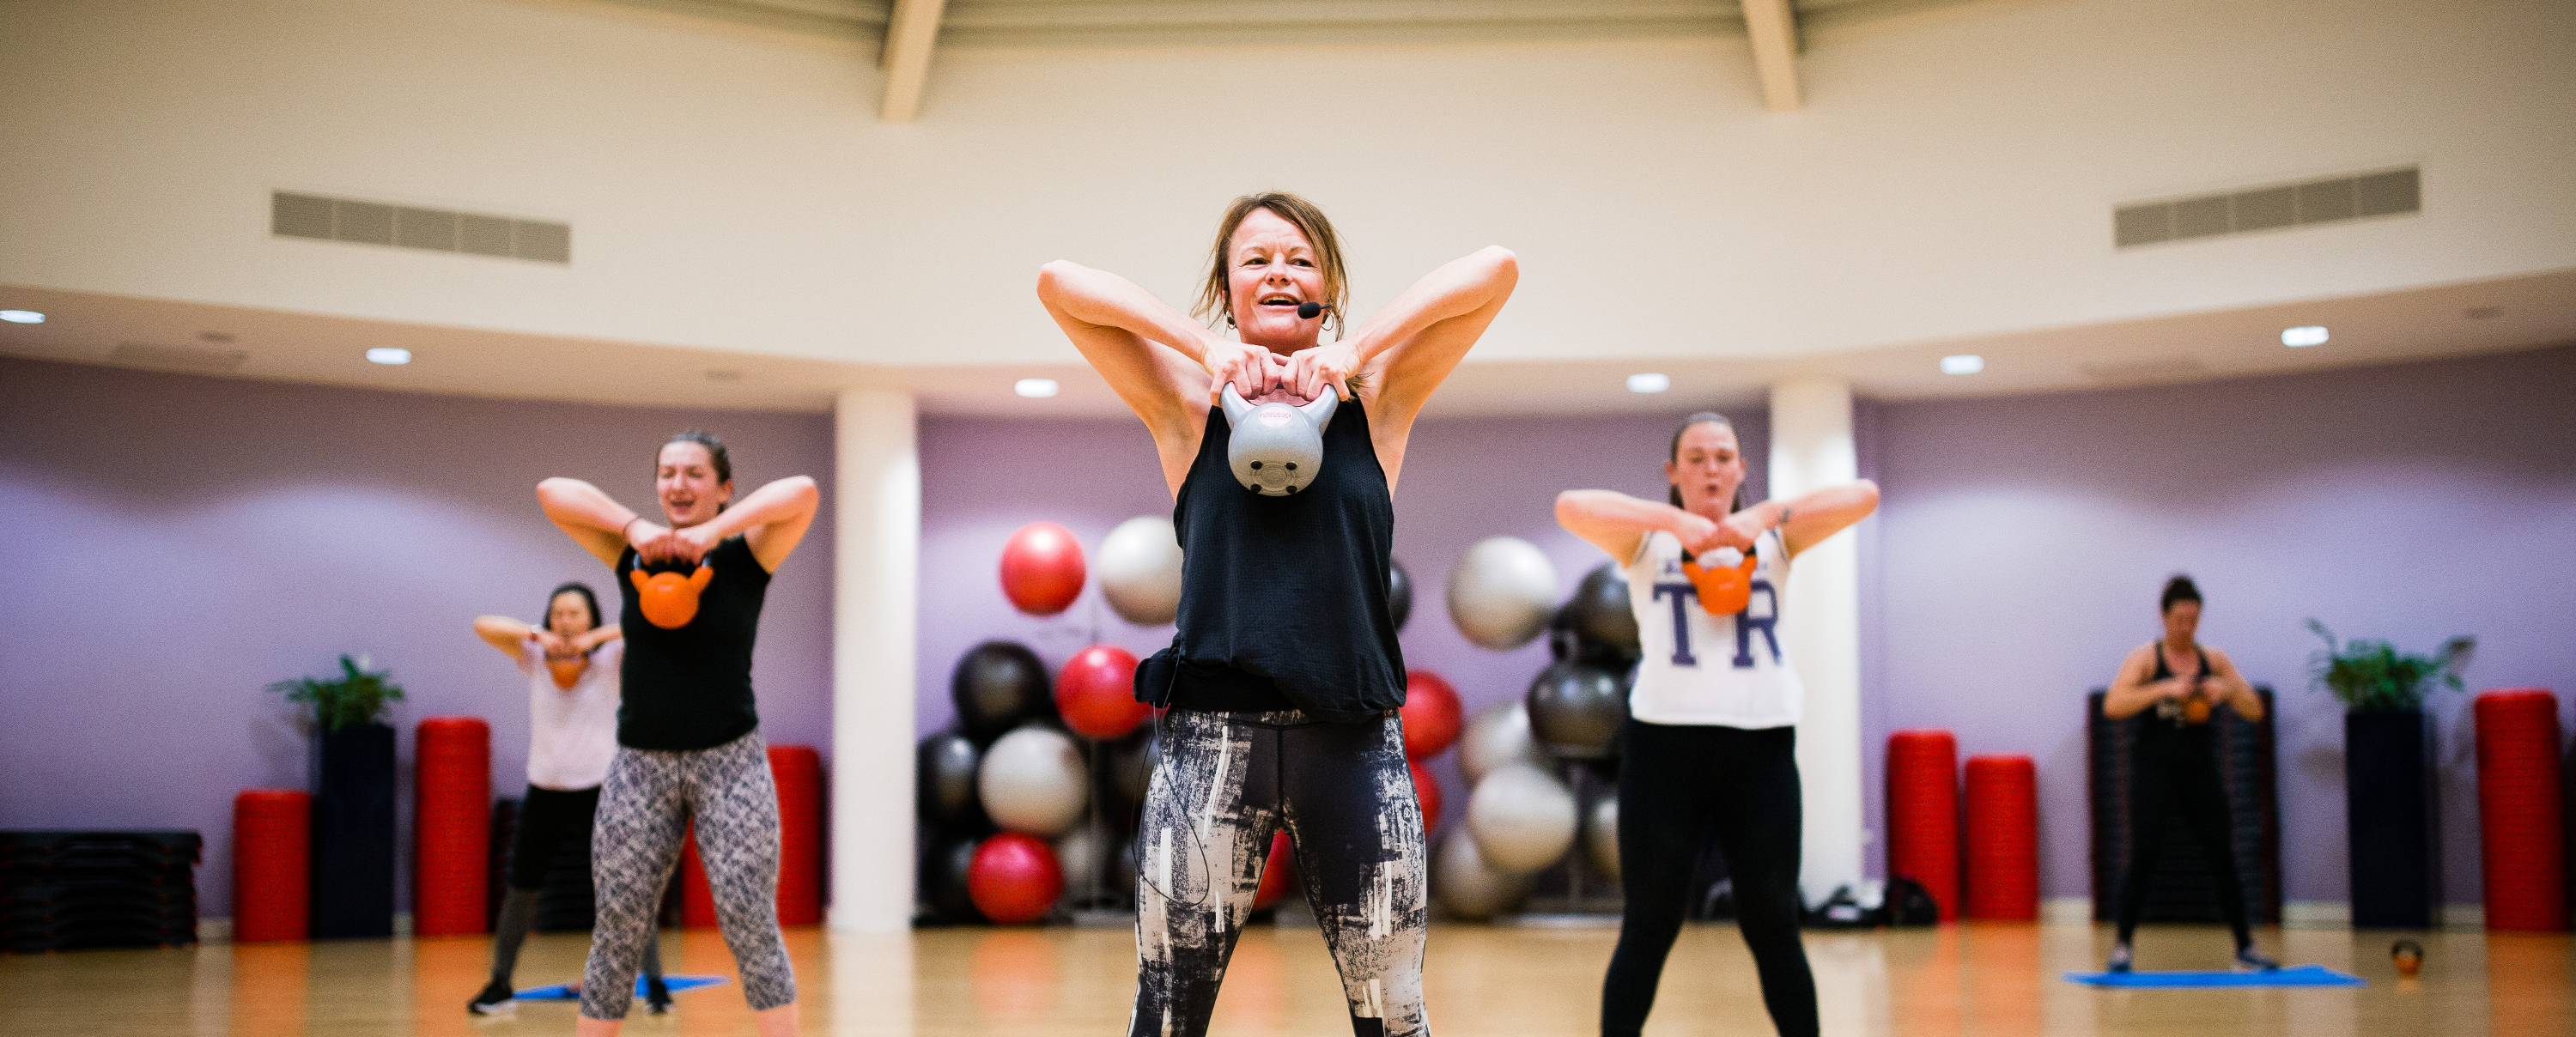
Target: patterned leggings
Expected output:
[1225,783]
[643,808]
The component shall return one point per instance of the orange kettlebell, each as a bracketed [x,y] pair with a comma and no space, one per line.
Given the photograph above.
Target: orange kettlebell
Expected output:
[1723,591]
[568,671]
[2195,710]
[670,600]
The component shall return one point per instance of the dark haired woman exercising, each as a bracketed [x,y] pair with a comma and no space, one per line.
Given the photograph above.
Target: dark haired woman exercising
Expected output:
[1284,675]
[1709,750]
[571,664]
[2174,765]
[689,745]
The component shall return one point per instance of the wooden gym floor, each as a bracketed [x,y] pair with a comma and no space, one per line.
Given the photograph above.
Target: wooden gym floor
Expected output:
[1985,979]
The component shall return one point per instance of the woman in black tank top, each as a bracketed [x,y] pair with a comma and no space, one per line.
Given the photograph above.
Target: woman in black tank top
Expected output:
[2177,684]
[1284,674]
[688,740]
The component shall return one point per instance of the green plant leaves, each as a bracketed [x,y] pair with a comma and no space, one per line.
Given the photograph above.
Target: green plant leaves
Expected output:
[2369,675]
[357,697]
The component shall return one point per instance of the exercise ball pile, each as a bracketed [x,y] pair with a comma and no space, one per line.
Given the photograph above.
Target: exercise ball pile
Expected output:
[1527,808]
[1003,765]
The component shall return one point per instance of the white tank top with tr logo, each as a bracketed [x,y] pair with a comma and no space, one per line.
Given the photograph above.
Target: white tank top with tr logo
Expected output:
[1728,671]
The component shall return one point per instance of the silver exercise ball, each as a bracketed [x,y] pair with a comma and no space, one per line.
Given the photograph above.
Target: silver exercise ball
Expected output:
[1601,837]
[1502,593]
[1523,819]
[1032,782]
[1140,570]
[1466,886]
[1498,736]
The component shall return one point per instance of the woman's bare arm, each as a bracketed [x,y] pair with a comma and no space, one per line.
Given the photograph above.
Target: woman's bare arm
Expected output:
[587,514]
[1616,523]
[1161,363]
[2132,692]
[2232,688]
[1407,349]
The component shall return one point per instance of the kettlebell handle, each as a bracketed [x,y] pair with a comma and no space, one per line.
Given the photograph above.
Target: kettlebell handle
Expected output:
[1318,410]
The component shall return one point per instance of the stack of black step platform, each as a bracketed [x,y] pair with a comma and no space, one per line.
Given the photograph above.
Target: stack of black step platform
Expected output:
[63,891]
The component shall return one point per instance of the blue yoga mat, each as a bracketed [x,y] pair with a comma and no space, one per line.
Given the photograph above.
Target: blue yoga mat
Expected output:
[2301,976]
[563,991]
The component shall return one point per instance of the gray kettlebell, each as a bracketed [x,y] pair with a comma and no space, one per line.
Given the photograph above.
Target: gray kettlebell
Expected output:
[1275,449]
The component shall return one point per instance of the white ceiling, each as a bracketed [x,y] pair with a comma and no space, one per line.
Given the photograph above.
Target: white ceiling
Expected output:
[2449,320]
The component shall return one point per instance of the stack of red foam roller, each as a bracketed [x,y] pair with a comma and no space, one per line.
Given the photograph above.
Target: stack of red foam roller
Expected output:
[798,772]
[2003,837]
[451,825]
[272,864]
[2519,819]
[1923,814]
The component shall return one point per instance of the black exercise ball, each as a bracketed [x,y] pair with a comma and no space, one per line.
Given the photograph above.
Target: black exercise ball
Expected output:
[1000,685]
[943,881]
[1598,614]
[1575,710]
[1399,593]
[1131,768]
[944,778]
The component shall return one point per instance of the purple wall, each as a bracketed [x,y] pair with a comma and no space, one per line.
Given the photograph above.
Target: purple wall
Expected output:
[2023,541]
[187,540]
[1464,479]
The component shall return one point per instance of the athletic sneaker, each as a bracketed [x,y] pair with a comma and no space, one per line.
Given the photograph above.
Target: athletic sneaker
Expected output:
[494,1000]
[2250,960]
[657,995]
[2120,955]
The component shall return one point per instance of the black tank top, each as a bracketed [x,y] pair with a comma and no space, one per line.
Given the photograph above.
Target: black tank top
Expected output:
[2163,730]
[1283,599]
[690,688]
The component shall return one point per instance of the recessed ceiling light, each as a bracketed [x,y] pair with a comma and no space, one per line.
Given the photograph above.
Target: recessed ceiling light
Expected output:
[389,355]
[2304,335]
[2483,312]
[1034,388]
[22,316]
[721,374]
[1962,363]
[1649,382]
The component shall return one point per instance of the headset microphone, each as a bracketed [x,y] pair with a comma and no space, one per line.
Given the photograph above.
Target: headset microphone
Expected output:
[1310,310]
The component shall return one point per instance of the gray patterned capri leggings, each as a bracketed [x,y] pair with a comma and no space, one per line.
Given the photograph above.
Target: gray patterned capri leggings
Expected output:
[644,808]
[1224,784]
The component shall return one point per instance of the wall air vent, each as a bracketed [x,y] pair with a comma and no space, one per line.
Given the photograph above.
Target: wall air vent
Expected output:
[178,358]
[404,226]
[2387,192]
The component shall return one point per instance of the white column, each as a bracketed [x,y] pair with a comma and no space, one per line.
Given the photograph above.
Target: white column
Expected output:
[875,580]
[1811,447]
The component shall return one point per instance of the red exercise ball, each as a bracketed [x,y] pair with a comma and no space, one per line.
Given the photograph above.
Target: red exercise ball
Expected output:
[1096,692]
[1014,878]
[1431,714]
[1426,787]
[1042,569]
[1277,873]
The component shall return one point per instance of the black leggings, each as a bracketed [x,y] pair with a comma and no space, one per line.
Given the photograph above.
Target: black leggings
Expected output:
[2160,782]
[1680,785]
[1224,783]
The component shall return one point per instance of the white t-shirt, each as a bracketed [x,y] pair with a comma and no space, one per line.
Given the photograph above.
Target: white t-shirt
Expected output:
[572,732]
[1728,671]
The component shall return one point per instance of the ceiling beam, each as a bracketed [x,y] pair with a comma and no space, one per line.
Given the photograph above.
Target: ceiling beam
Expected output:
[1774,31]
[910,33]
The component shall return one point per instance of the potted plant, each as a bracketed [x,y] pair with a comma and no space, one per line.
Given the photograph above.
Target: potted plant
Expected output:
[353,798]
[2390,797]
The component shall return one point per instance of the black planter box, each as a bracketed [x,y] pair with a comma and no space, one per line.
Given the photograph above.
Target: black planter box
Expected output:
[353,833]
[2391,809]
